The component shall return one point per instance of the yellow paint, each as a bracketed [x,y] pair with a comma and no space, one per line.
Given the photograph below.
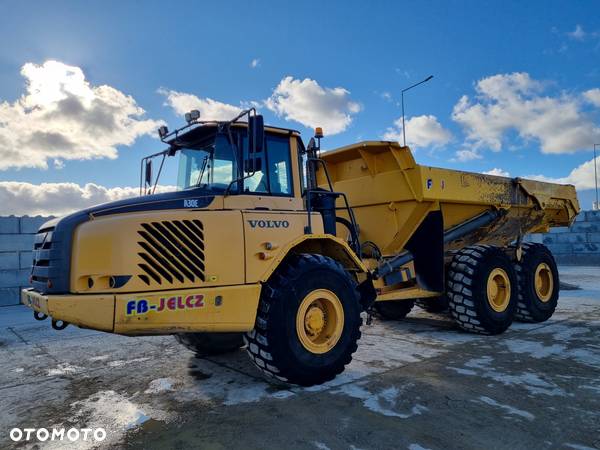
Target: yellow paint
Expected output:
[544,282]
[320,321]
[409,293]
[86,311]
[498,290]
[279,228]
[109,245]
[322,244]
[391,195]
[194,310]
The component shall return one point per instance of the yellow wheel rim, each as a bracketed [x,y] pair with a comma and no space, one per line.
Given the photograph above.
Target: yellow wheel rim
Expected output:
[544,282]
[498,289]
[320,321]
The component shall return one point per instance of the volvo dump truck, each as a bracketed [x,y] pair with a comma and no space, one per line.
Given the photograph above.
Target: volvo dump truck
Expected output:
[281,248]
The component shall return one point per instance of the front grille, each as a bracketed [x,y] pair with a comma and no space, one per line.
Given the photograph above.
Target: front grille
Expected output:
[171,251]
[42,246]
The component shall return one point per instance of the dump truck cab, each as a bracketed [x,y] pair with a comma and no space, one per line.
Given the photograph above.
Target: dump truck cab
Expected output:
[266,239]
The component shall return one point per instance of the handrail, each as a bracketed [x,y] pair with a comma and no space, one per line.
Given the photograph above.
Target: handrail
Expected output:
[310,192]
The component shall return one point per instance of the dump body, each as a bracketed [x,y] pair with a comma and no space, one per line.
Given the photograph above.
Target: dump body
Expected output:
[391,195]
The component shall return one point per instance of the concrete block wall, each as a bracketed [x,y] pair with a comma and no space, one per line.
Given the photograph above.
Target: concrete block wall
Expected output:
[16,256]
[577,245]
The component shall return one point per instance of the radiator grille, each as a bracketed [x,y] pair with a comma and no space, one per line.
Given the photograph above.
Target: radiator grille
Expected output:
[171,251]
[41,256]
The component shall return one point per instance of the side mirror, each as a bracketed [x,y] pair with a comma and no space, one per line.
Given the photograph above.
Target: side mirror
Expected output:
[253,164]
[256,134]
[148,174]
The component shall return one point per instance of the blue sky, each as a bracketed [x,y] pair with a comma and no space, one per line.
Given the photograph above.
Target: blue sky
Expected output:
[538,113]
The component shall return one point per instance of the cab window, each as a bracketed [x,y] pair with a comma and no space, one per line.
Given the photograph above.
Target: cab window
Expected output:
[275,176]
[278,163]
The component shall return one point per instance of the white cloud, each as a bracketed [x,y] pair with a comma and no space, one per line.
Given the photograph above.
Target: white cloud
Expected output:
[467,155]
[515,102]
[255,63]
[593,96]
[20,198]
[306,102]
[578,34]
[421,131]
[582,176]
[62,116]
[497,172]
[209,109]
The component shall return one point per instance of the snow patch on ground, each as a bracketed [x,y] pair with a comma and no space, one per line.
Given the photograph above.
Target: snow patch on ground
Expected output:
[535,349]
[528,380]
[509,409]
[122,362]
[64,369]
[462,371]
[385,402]
[561,332]
[417,447]
[115,413]
[159,385]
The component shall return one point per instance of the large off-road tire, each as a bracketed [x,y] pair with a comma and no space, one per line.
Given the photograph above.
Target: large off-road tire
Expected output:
[482,289]
[433,304]
[394,309]
[537,278]
[308,321]
[204,344]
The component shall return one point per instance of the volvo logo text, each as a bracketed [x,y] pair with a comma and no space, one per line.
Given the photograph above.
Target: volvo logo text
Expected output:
[269,223]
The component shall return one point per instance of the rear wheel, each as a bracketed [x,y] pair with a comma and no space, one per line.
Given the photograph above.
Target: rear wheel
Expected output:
[204,344]
[308,321]
[434,304]
[394,309]
[482,289]
[537,277]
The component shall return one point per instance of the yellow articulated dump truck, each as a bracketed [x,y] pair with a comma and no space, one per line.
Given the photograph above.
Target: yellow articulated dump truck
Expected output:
[279,247]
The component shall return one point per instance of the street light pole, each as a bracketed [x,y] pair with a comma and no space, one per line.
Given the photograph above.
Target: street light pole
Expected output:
[402,94]
[596,175]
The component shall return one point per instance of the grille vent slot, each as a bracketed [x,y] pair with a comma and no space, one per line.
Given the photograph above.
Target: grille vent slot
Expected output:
[41,255]
[171,251]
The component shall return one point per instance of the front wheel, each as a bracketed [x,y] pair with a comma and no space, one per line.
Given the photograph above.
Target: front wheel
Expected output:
[308,321]
[394,309]
[433,304]
[205,344]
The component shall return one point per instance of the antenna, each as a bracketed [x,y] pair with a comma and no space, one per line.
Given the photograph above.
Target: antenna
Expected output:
[403,91]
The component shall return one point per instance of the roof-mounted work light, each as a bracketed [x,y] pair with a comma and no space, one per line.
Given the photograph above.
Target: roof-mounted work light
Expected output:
[163,131]
[193,115]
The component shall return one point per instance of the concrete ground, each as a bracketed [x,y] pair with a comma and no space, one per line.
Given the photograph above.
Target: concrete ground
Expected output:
[416,384]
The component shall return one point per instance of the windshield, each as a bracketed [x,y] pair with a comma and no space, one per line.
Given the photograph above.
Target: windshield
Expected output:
[209,165]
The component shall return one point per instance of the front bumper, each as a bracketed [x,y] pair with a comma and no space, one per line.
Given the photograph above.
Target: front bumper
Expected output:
[215,309]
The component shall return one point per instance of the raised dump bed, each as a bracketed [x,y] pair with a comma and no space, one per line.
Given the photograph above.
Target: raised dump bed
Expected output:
[448,239]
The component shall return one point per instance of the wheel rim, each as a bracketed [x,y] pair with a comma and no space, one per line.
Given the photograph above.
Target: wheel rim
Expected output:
[498,289]
[544,282]
[320,321]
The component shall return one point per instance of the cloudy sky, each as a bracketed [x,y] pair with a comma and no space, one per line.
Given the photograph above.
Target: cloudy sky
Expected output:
[83,87]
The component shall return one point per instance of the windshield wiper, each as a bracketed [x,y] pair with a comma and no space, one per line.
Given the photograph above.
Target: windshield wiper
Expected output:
[204,165]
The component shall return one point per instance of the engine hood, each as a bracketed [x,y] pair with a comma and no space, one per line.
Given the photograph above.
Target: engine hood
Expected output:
[53,244]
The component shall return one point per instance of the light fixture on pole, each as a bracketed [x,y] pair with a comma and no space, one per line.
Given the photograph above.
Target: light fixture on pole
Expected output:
[403,91]
[596,176]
